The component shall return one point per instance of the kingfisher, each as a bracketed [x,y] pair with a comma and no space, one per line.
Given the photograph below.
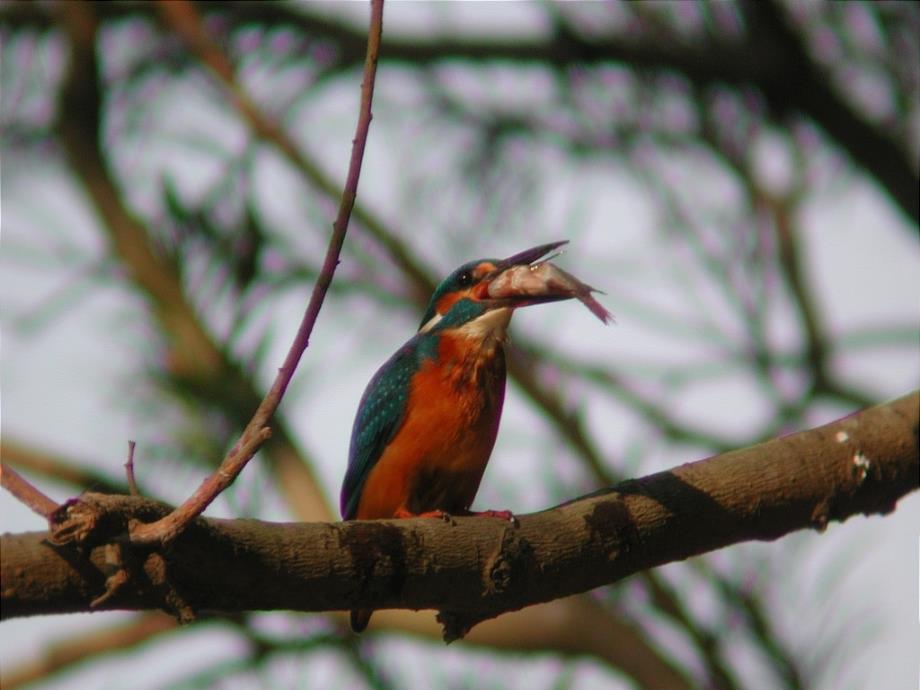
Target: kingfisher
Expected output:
[428,420]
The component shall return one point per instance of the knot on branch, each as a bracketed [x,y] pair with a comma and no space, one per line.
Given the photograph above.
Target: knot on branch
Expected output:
[512,562]
[374,549]
[511,554]
[130,570]
[75,521]
[456,624]
[156,569]
[95,518]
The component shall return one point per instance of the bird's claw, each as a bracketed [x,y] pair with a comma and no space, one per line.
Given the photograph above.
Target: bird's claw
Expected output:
[500,514]
[437,514]
[449,518]
[445,516]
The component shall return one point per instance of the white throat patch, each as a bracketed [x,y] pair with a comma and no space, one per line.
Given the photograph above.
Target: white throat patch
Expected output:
[430,323]
[490,326]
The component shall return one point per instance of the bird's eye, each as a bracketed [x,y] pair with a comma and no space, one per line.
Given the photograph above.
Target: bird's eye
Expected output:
[466,279]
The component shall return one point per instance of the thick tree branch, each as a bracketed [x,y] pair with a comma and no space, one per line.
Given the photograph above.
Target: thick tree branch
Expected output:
[574,625]
[478,568]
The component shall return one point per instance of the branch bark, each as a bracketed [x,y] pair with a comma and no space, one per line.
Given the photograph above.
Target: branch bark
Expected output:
[477,568]
[575,626]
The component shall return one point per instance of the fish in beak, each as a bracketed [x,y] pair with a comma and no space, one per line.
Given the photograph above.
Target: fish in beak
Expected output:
[527,278]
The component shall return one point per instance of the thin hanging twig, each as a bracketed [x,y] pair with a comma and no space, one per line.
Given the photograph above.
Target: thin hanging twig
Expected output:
[187,22]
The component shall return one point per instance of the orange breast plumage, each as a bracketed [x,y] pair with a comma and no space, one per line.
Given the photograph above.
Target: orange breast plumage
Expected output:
[437,458]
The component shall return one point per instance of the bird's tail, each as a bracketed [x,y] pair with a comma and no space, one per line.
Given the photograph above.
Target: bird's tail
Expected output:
[360,619]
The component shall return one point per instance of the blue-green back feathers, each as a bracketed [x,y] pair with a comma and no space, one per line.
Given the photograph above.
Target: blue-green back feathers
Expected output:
[380,414]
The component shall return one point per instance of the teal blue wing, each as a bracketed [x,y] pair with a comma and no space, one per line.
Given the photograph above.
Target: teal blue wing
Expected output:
[380,414]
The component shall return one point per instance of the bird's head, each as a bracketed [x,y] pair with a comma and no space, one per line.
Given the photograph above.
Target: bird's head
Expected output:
[464,296]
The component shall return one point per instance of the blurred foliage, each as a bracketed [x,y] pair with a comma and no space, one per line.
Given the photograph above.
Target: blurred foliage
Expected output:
[716,127]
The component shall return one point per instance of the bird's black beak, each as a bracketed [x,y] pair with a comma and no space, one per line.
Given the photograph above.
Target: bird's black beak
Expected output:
[526,257]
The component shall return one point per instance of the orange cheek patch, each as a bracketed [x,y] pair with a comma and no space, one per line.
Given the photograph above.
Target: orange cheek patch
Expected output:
[480,290]
[447,301]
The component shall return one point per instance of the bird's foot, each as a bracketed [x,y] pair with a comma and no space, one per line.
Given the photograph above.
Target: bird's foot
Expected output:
[500,514]
[402,513]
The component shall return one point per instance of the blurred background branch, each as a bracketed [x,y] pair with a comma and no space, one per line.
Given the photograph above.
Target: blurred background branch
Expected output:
[695,153]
